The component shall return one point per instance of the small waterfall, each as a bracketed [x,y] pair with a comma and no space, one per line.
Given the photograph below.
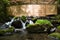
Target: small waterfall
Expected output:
[24,27]
[11,21]
[31,22]
[7,24]
[53,29]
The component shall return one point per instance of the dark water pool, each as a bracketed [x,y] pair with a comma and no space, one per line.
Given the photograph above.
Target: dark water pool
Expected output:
[18,36]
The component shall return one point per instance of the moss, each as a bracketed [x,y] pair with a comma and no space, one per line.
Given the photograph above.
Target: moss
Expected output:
[41,21]
[38,27]
[3,31]
[11,29]
[56,35]
[35,28]
[58,27]
[34,19]
[23,18]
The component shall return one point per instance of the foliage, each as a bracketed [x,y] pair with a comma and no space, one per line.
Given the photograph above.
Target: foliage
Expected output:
[59,1]
[57,16]
[56,35]
[3,11]
[6,1]
[41,21]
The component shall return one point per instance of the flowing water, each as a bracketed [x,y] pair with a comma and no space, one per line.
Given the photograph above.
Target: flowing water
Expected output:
[30,22]
[7,24]
[18,36]
[23,34]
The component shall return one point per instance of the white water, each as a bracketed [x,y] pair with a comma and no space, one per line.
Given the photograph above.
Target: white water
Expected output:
[23,23]
[31,22]
[8,23]
[24,27]
[53,29]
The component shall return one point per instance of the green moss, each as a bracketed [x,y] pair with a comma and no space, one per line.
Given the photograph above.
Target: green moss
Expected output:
[58,27]
[35,28]
[38,27]
[56,35]
[23,18]
[3,31]
[41,21]
[11,29]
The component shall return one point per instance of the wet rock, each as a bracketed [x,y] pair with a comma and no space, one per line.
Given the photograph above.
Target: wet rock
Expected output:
[17,24]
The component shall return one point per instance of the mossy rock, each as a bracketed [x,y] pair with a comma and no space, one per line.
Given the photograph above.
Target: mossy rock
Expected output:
[34,28]
[42,22]
[17,24]
[55,35]
[38,28]
[23,18]
[58,29]
[7,30]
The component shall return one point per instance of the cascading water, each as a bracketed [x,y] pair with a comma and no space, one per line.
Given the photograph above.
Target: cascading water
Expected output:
[7,24]
[24,27]
[23,31]
[31,22]
[53,29]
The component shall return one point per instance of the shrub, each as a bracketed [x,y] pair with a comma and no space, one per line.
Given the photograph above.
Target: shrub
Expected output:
[56,35]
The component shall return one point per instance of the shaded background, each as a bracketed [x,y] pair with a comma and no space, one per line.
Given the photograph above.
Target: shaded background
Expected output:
[11,8]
